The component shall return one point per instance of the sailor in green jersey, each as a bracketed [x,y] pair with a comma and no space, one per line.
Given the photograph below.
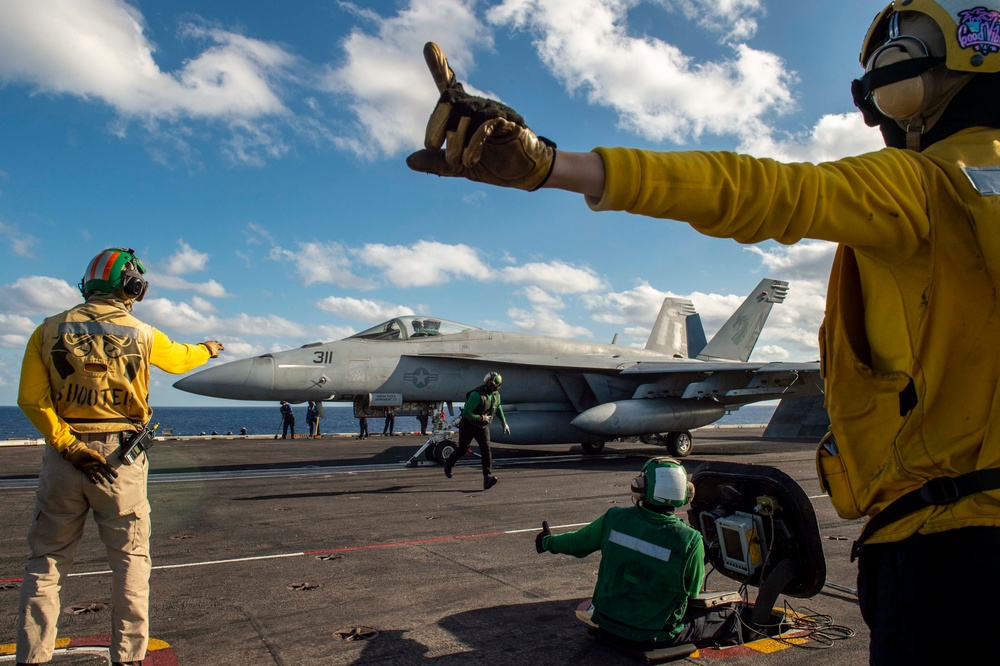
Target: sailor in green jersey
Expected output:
[481,404]
[652,563]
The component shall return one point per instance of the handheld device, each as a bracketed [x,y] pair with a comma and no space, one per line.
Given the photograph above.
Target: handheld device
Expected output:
[137,443]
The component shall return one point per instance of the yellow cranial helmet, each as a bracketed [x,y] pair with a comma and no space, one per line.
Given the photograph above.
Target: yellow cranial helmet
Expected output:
[918,54]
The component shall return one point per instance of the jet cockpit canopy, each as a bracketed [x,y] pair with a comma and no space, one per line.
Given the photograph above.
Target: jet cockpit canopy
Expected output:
[411,326]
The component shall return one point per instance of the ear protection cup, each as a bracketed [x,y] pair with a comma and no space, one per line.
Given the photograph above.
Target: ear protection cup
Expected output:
[133,286]
[906,98]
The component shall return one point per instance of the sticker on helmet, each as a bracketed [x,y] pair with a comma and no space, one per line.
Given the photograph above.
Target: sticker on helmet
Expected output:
[979,30]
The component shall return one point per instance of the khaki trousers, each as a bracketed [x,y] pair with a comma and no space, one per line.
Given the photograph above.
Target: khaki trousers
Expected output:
[121,512]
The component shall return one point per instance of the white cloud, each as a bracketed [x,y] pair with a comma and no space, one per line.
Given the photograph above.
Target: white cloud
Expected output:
[554,276]
[658,92]
[173,317]
[16,330]
[543,317]
[98,48]
[210,288]
[21,244]
[425,263]
[327,333]
[322,262]
[38,295]
[386,83]
[637,306]
[362,309]
[179,318]
[734,19]
[834,136]
[186,260]
[202,304]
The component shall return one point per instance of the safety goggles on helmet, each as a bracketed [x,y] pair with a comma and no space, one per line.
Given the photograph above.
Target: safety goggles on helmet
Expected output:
[966,40]
[901,59]
[492,379]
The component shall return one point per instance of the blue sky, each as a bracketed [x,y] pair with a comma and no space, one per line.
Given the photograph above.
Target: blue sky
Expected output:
[252,153]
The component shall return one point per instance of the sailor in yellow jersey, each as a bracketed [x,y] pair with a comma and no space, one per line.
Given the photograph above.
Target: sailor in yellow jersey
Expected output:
[85,387]
[908,346]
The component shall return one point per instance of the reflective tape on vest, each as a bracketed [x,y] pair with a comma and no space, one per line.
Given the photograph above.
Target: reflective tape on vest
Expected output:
[97,328]
[640,546]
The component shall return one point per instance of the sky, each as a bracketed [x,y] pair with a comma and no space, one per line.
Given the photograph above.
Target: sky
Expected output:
[252,153]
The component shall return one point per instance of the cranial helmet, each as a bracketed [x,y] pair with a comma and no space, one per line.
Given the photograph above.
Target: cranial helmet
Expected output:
[115,271]
[662,482]
[493,378]
[918,54]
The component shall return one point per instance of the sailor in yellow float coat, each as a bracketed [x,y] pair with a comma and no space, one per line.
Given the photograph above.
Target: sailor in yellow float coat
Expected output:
[908,346]
[85,387]
[917,286]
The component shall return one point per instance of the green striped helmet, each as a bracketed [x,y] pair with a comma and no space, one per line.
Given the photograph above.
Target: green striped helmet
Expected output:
[115,271]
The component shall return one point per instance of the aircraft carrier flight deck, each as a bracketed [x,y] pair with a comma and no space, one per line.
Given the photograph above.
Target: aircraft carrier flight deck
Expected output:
[331,551]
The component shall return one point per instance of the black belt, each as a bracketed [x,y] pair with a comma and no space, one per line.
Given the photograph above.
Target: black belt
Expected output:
[936,492]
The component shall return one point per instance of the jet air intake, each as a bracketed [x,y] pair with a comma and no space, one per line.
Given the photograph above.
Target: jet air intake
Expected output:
[626,418]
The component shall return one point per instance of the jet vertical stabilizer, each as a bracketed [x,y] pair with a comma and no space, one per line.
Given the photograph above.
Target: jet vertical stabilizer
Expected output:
[736,339]
[677,331]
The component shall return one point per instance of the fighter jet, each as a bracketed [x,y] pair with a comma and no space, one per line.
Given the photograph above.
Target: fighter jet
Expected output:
[554,390]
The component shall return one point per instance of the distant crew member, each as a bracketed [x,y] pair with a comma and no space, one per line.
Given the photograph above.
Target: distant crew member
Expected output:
[390,422]
[311,416]
[287,420]
[363,424]
[652,565]
[422,418]
[85,387]
[481,404]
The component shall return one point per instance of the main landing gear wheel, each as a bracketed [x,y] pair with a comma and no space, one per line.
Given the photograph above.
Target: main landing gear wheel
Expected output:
[443,451]
[592,447]
[679,444]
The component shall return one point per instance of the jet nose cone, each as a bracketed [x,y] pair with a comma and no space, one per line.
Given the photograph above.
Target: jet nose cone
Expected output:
[248,379]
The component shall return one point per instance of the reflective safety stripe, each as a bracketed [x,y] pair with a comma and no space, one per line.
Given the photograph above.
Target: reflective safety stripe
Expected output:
[97,328]
[100,267]
[638,545]
[986,180]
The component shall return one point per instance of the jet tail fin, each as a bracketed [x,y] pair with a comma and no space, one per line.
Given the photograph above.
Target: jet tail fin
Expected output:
[678,330]
[737,337]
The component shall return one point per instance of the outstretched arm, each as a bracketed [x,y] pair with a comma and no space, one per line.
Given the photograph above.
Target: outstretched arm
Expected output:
[578,172]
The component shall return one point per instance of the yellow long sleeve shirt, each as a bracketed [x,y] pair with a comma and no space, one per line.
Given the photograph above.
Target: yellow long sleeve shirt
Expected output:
[911,308]
[87,370]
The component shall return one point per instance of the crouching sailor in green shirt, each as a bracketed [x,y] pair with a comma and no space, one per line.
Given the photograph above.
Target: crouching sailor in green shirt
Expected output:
[652,563]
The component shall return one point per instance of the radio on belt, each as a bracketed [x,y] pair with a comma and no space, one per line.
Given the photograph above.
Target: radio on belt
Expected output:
[137,443]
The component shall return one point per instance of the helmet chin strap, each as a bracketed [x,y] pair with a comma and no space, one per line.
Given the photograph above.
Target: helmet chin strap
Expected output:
[913,133]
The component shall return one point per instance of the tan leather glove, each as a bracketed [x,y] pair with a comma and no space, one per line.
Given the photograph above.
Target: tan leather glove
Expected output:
[93,465]
[487,141]
[214,347]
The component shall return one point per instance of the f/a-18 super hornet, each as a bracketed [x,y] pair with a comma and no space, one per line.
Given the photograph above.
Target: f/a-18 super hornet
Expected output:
[555,390]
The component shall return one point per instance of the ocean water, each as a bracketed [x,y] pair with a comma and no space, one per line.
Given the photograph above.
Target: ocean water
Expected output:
[265,420]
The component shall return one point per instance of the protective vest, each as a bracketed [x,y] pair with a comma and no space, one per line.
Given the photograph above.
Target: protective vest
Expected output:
[892,432]
[651,564]
[488,402]
[99,366]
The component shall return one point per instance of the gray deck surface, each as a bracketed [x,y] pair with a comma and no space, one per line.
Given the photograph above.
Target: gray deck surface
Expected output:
[443,572]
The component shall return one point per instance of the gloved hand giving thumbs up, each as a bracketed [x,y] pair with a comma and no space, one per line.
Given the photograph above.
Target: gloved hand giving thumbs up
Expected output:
[485,141]
[541,535]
